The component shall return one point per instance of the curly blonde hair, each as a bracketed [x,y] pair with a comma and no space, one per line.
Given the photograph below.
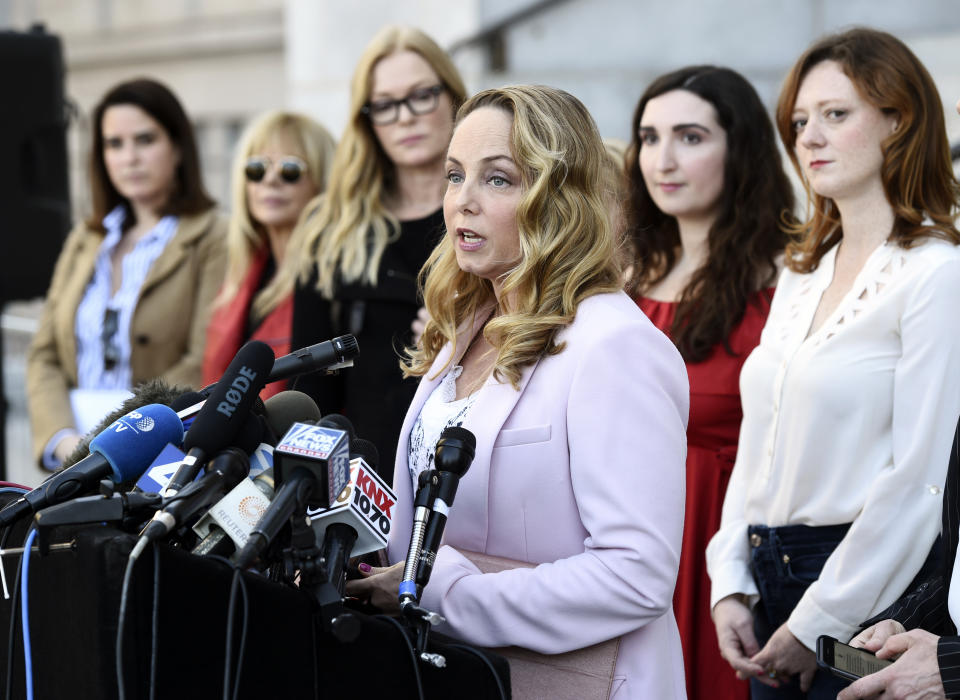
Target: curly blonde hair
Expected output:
[245,237]
[567,243]
[350,228]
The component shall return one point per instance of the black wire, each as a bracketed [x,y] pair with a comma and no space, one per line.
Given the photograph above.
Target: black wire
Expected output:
[243,634]
[121,623]
[228,650]
[11,635]
[413,654]
[487,663]
[236,583]
[155,621]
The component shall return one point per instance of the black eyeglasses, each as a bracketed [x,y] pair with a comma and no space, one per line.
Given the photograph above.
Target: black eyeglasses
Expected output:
[290,168]
[108,336]
[421,101]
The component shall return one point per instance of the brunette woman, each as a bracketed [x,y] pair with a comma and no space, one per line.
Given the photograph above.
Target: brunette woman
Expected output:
[707,204]
[131,291]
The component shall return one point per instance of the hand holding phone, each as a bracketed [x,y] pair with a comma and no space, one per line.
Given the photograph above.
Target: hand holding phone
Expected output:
[846,661]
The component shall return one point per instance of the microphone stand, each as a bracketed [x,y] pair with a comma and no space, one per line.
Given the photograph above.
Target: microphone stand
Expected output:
[305,556]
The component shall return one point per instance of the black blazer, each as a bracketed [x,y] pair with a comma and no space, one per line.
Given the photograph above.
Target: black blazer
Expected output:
[373,393]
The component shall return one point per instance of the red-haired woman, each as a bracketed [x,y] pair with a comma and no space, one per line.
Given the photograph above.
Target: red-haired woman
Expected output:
[850,400]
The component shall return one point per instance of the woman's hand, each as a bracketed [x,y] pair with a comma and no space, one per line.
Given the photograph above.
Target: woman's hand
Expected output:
[66,446]
[419,324]
[875,636]
[380,586]
[784,656]
[734,623]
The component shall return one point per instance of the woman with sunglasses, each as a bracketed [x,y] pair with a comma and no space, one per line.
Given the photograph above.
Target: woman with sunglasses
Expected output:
[281,164]
[131,290]
[375,227]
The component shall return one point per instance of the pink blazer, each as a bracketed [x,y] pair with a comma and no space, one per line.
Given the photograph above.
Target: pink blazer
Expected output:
[581,472]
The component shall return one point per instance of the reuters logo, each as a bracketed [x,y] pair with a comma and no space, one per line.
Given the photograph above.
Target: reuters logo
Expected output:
[251,509]
[146,424]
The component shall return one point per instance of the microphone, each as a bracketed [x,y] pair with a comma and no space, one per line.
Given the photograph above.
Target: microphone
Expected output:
[311,467]
[454,455]
[157,476]
[222,473]
[286,408]
[426,494]
[328,355]
[226,526]
[360,520]
[151,391]
[224,413]
[120,452]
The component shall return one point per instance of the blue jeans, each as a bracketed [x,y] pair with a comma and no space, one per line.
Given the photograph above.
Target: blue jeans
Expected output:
[785,561]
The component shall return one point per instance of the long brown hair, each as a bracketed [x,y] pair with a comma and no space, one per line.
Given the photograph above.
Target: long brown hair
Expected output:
[749,231]
[189,195]
[917,174]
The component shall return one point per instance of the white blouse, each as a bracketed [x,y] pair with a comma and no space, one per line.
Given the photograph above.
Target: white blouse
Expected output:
[441,410]
[851,424]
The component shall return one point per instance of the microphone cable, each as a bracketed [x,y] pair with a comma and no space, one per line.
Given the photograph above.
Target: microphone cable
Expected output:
[122,618]
[236,583]
[155,622]
[487,663]
[12,632]
[25,612]
[413,653]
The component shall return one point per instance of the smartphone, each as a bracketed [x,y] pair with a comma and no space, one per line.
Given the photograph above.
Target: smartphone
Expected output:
[846,661]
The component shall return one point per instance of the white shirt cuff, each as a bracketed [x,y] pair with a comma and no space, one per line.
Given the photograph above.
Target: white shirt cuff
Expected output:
[47,459]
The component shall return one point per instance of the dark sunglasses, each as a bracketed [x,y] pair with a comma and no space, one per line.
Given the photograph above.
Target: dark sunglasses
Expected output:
[290,168]
[108,336]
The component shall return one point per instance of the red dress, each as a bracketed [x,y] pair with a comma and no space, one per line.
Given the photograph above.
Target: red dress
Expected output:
[712,433]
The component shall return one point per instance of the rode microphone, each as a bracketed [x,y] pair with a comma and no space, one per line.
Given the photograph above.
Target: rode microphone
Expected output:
[360,520]
[225,411]
[328,355]
[311,467]
[227,525]
[121,452]
[222,473]
[426,493]
[454,455]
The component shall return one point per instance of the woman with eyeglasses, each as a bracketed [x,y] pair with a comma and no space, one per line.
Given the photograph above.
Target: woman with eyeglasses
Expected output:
[374,228]
[132,287]
[281,164]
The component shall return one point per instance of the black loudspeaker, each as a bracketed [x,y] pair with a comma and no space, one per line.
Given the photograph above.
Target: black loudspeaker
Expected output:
[34,182]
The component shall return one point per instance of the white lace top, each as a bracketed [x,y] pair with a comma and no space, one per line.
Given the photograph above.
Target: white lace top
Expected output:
[852,423]
[441,410]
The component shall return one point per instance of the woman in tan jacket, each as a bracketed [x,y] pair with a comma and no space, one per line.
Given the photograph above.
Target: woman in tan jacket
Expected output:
[131,291]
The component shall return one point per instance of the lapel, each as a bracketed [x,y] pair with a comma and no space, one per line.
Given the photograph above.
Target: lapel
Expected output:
[492,408]
[81,273]
[189,229]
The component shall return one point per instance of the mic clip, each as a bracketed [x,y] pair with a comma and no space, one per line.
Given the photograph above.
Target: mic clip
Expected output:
[421,620]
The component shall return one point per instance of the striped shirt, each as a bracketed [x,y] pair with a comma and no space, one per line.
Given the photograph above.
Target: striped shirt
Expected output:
[91,372]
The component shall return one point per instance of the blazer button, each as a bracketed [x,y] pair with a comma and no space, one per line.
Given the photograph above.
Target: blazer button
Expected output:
[142,339]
